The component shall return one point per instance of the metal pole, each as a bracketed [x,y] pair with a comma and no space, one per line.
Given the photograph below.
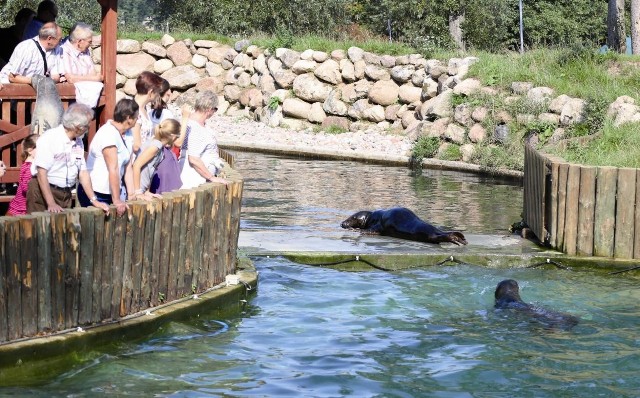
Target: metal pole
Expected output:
[521,31]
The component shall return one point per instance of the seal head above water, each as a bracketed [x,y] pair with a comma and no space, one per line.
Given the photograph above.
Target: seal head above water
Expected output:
[507,296]
[400,222]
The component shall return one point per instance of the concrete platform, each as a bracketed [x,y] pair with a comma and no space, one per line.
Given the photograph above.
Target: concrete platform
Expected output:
[354,251]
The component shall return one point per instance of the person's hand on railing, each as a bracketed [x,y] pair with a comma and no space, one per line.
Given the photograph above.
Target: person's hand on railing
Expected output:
[54,208]
[148,196]
[121,207]
[103,206]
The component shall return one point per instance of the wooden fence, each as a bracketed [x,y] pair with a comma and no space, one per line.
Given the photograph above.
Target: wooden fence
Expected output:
[582,210]
[80,267]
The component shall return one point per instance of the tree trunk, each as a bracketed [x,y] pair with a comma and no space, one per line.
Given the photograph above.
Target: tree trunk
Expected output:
[635,26]
[455,29]
[616,37]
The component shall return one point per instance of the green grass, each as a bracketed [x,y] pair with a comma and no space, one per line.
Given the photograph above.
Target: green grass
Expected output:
[574,72]
[614,146]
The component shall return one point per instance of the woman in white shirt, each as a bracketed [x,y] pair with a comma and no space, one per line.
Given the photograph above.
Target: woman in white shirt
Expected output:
[109,158]
[199,157]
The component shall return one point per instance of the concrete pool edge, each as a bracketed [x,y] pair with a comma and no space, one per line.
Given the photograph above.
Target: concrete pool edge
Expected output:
[21,360]
[402,261]
[391,160]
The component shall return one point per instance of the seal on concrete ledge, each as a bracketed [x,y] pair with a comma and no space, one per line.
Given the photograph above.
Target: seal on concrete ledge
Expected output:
[507,296]
[400,222]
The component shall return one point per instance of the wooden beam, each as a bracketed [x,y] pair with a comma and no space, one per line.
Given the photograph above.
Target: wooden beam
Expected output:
[109,45]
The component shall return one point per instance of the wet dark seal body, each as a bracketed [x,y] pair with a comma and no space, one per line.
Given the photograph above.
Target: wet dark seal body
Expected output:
[400,222]
[507,296]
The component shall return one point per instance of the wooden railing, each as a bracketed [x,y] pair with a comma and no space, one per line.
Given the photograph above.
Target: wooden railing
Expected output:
[80,267]
[18,102]
[582,210]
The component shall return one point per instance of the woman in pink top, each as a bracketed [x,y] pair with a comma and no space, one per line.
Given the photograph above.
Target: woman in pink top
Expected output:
[18,204]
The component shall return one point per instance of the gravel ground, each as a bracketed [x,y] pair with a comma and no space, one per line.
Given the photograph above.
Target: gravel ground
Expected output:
[232,131]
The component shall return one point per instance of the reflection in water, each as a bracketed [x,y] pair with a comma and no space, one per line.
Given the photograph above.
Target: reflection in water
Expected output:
[292,193]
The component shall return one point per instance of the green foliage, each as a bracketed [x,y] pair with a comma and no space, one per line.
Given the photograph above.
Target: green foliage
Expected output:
[595,113]
[274,102]
[451,152]
[283,38]
[543,130]
[333,129]
[425,147]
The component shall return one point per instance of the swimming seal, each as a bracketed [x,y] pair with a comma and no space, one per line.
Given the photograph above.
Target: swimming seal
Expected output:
[507,296]
[400,222]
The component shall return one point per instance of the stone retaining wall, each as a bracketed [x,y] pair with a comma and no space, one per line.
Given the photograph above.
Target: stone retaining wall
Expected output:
[354,90]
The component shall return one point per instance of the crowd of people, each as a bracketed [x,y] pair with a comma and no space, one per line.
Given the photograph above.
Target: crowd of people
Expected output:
[144,150]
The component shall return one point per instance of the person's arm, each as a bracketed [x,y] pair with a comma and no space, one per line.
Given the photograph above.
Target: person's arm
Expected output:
[25,177]
[186,111]
[43,182]
[110,155]
[137,137]
[199,166]
[19,79]
[85,181]
[145,157]
[128,176]
[71,78]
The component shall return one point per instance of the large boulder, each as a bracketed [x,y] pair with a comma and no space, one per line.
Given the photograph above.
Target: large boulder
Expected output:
[154,49]
[329,71]
[131,65]
[127,46]
[179,53]
[296,108]
[409,93]
[182,77]
[333,105]
[384,92]
[309,88]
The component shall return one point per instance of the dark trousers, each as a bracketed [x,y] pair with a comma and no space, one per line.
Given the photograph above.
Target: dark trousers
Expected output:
[36,202]
[84,199]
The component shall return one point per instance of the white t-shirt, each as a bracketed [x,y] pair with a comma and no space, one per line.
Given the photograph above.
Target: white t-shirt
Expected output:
[105,137]
[199,142]
[61,157]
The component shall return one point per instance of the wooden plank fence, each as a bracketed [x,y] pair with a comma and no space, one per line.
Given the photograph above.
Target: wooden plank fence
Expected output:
[81,268]
[582,210]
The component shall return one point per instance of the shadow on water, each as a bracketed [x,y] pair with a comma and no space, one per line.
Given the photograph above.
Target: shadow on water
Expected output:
[431,332]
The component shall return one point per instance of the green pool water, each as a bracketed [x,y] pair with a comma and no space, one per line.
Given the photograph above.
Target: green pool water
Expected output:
[428,332]
[423,332]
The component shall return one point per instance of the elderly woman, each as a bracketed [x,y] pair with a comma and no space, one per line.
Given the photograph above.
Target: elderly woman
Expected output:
[109,158]
[199,158]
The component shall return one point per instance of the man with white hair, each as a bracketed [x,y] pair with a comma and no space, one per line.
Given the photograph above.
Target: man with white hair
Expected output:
[60,163]
[76,58]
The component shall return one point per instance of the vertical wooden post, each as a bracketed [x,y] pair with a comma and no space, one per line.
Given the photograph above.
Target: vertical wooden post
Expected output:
[586,210]
[563,174]
[109,44]
[571,210]
[625,213]
[604,227]
[29,271]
